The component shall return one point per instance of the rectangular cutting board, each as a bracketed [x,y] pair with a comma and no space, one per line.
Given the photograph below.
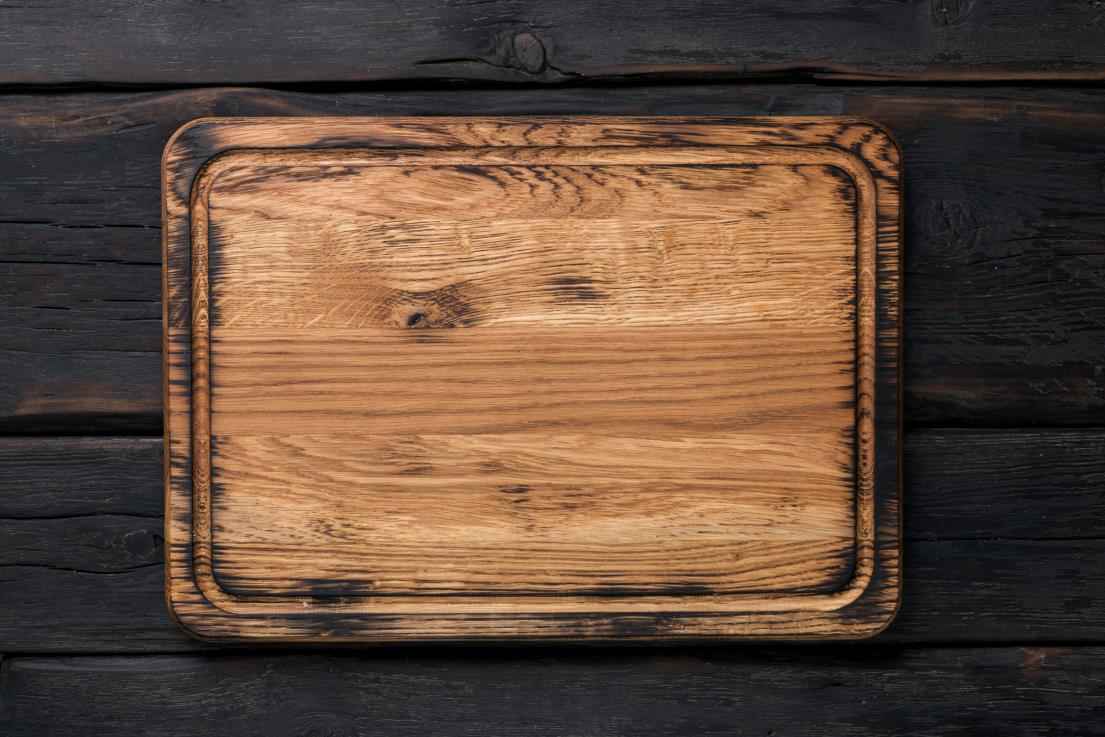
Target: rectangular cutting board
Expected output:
[531,378]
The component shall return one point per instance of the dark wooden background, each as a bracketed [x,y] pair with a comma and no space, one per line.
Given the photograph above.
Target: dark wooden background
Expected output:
[1000,110]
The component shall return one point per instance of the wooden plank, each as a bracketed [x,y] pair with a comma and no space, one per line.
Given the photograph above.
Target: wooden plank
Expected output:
[1005,261]
[1001,591]
[82,532]
[59,610]
[1050,484]
[56,478]
[1004,542]
[79,315]
[1009,691]
[129,42]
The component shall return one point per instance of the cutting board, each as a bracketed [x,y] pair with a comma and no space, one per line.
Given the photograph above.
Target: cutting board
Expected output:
[531,378]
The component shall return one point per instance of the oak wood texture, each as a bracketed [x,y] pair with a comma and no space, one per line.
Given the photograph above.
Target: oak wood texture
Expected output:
[1002,214]
[526,41]
[435,378]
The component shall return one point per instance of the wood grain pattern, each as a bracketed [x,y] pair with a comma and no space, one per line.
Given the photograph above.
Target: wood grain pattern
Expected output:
[1003,312]
[547,43]
[525,512]
[712,692]
[357,294]
[88,576]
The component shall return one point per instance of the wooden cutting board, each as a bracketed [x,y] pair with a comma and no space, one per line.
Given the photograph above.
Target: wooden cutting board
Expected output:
[532,378]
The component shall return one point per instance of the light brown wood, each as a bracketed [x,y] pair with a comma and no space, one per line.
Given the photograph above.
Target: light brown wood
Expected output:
[531,512]
[463,378]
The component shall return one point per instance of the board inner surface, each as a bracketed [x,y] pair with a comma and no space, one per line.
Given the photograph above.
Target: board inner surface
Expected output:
[439,375]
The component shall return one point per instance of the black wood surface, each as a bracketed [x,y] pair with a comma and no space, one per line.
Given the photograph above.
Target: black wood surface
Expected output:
[525,41]
[810,691]
[1004,238]
[1001,629]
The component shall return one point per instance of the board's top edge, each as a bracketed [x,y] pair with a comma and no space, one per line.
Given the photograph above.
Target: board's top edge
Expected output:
[428,124]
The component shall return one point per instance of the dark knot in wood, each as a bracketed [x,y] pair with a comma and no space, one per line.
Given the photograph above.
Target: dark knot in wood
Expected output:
[529,52]
[950,12]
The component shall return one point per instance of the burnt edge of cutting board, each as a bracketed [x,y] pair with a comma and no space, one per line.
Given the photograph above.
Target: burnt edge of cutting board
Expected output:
[865,607]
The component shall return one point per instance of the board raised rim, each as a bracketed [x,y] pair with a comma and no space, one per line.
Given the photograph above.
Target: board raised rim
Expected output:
[214,157]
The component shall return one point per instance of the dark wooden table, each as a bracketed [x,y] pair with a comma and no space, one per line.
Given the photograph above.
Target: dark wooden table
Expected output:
[1000,110]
